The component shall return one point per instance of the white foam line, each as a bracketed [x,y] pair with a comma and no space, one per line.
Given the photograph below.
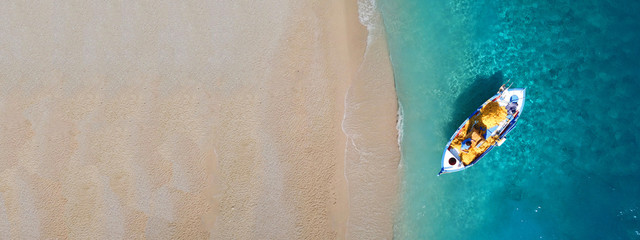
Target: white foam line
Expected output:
[400,128]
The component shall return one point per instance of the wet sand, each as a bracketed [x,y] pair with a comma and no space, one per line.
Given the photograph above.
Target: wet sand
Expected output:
[224,120]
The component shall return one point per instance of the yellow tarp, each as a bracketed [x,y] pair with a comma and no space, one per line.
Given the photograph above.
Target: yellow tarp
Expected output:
[490,115]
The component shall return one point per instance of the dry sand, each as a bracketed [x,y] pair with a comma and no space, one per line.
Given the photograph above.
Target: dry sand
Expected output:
[193,119]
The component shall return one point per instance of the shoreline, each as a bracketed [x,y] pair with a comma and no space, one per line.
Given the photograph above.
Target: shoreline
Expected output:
[373,151]
[232,120]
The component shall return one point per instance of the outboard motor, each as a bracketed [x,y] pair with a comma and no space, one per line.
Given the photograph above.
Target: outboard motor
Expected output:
[513,105]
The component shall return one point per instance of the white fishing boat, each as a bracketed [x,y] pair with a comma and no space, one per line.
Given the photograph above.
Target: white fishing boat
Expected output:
[486,128]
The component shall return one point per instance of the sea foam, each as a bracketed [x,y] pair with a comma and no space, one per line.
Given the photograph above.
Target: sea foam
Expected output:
[369,17]
[400,128]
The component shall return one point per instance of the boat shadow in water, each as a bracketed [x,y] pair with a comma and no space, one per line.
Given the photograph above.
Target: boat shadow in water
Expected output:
[480,89]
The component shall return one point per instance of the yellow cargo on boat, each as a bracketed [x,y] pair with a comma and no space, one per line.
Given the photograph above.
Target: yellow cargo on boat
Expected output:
[489,116]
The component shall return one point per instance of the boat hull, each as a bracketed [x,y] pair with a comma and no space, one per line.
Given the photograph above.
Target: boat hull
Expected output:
[451,159]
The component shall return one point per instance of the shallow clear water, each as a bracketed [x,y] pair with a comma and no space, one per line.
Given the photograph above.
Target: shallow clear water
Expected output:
[570,169]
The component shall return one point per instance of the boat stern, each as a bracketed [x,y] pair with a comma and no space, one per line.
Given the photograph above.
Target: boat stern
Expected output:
[515,95]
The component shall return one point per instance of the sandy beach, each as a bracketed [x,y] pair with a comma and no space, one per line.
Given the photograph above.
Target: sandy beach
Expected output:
[195,120]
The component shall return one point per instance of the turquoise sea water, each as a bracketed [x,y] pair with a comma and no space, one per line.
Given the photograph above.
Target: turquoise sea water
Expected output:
[571,168]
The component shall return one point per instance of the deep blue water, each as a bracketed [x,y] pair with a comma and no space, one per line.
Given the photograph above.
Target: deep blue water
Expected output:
[570,169]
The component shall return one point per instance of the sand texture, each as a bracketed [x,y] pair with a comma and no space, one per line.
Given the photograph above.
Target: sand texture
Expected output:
[194,120]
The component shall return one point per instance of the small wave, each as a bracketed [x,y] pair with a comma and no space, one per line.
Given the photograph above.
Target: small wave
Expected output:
[400,124]
[368,15]
[400,128]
